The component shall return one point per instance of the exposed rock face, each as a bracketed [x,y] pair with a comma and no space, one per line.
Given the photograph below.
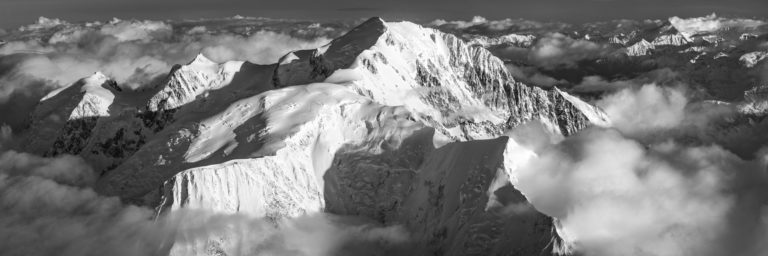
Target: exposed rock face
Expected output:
[640,48]
[671,39]
[510,39]
[393,122]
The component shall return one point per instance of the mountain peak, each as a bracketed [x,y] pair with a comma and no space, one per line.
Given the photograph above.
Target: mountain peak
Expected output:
[339,53]
[364,34]
[97,79]
[99,84]
[201,59]
[373,21]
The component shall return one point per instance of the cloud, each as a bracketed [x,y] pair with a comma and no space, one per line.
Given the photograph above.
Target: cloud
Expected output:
[53,54]
[661,199]
[531,76]
[44,23]
[47,208]
[599,84]
[481,25]
[311,235]
[712,23]
[643,112]
[6,136]
[664,77]
[652,185]
[645,109]
[558,49]
[476,20]
[66,169]
[137,30]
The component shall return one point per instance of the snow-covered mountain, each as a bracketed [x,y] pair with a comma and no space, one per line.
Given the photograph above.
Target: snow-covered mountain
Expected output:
[505,40]
[753,58]
[392,121]
[64,118]
[640,48]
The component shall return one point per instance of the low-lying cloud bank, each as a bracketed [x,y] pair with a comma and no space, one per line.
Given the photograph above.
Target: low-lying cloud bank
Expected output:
[637,189]
[711,23]
[558,49]
[481,25]
[616,196]
[48,208]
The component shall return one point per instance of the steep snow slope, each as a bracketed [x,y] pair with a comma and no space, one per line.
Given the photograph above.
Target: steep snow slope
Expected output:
[64,119]
[464,92]
[191,80]
[291,135]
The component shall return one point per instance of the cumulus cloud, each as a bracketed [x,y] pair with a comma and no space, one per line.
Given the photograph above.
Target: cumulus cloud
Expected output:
[44,23]
[712,23]
[616,196]
[48,208]
[644,112]
[642,187]
[558,49]
[645,109]
[531,76]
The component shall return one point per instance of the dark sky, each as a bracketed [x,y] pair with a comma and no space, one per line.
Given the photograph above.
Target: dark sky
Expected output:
[18,12]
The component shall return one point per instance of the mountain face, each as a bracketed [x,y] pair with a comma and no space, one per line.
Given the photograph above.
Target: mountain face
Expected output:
[392,122]
[509,39]
[64,119]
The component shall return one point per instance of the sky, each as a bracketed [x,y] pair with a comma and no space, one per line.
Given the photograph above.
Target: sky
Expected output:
[14,13]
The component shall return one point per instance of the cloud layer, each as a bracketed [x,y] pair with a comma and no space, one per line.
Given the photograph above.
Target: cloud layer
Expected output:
[557,49]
